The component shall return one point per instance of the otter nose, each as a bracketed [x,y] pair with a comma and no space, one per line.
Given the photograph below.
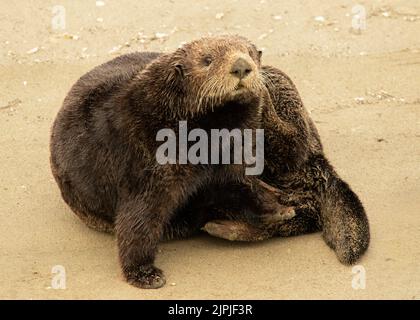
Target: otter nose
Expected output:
[241,68]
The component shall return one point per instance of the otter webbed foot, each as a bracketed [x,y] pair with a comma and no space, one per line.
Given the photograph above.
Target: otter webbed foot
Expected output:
[234,230]
[282,213]
[244,231]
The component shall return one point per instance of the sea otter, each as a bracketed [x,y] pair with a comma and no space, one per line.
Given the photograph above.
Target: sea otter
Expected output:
[103,155]
[104,143]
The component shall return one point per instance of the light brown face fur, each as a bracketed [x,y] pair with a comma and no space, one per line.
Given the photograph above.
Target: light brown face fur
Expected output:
[207,67]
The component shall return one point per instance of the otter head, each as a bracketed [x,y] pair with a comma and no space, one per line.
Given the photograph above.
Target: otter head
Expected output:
[207,73]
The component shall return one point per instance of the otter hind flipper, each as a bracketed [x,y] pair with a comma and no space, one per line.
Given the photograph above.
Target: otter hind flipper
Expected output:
[344,220]
[235,231]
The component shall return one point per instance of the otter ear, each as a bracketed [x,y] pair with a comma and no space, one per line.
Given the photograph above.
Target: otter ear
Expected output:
[179,69]
[178,62]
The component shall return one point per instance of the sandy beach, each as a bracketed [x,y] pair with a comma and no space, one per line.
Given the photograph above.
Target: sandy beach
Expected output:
[362,88]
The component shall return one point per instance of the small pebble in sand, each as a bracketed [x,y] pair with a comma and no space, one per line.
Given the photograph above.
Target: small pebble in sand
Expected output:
[219,15]
[115,50]
[277,17]
[360,100]
[160,35]
[25,83]
[319,18]
[33,50]
[100,20]
[173,284]
[263,36]
[100,3]
[70,36]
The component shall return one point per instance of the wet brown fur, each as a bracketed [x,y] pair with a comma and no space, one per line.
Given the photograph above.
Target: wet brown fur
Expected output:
[103,146]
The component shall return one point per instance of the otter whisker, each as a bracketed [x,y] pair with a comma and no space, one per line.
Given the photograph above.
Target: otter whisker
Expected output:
[202,94]
[199,96]
[212,86]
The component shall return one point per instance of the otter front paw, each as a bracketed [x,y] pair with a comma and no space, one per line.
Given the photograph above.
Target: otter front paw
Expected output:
[268,204]
[145,277]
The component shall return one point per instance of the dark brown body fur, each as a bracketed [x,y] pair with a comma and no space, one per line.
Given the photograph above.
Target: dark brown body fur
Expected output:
[103,158]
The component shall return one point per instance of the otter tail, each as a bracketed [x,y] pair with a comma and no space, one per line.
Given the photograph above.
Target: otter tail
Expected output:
[344,222]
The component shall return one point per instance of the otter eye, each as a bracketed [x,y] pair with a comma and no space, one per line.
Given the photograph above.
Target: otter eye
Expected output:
[259,54]
[207,60]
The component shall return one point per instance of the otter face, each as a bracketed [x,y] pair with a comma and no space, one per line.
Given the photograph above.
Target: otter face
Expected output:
[218,69]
